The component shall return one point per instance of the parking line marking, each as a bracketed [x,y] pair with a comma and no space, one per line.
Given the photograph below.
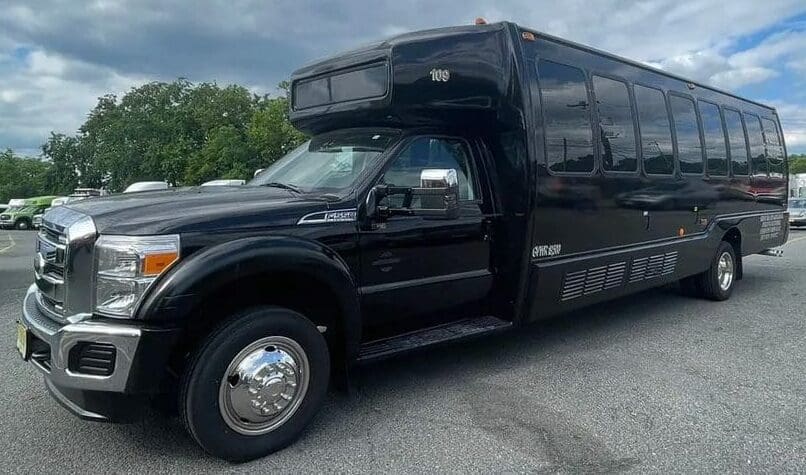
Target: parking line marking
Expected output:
[11,239]
[795,240]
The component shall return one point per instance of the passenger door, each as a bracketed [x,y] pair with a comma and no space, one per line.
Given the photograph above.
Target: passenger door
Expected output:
[420,270]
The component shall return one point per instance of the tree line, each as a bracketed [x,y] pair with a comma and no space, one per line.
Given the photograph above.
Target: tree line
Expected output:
[179,132]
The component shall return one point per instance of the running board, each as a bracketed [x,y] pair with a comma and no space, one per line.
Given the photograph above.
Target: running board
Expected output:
[772,252]
[467,328]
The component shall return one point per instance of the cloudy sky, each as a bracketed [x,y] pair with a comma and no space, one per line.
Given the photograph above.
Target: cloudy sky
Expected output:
[57,57]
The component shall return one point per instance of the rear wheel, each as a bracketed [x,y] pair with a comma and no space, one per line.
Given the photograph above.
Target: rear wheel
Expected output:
[717,282]
[255,383]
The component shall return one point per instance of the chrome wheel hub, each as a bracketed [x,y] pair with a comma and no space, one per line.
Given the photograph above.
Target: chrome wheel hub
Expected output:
[264,385]
[724,271]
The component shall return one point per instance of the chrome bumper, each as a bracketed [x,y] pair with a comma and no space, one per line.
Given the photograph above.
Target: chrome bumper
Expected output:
[61,338]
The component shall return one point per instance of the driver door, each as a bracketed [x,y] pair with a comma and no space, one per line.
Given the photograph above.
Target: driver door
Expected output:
[422,270]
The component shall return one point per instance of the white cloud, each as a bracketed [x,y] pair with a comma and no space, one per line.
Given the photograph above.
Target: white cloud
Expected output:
[773,48]
[798,65]
[44,93]
[793,122]
[735,78]
[750,66]
[77,52]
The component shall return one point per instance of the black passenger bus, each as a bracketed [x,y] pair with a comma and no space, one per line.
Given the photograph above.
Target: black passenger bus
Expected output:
[458,182]
[607,176]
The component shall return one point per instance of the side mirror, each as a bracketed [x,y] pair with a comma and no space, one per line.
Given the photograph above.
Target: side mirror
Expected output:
[437,197]
[438,193]
[374,209]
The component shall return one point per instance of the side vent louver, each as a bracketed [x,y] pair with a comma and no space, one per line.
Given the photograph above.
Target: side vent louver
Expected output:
[589,281]
[645,268]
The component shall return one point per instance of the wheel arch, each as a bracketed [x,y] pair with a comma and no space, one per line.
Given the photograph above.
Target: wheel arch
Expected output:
[303,275]
[733,236]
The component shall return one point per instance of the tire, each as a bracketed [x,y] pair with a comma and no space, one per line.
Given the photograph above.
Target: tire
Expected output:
[22,225]
[716,284]
[212,406]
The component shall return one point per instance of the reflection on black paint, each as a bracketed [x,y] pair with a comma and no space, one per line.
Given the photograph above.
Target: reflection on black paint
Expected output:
[756,141]
[715,148]
[615,125]
[775,151]
[656,134]
[689,147]
[569,144]
[738,144]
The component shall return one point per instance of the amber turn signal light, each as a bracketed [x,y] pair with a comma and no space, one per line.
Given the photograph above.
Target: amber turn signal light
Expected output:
[155,264]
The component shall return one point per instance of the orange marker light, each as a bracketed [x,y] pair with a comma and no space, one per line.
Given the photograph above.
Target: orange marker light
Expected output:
[155,264]
[528,36]
[681,232]
[481,21]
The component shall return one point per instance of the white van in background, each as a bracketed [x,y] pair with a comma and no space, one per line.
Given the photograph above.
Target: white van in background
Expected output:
[146,186]
[224,183]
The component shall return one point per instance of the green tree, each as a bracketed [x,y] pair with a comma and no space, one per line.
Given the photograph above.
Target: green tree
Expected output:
[180,132]
[21,177]
[226,154]
[797,163]
[71,164]
[271,133]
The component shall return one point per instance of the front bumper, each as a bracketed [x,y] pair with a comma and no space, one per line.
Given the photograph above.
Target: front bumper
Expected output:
[140,360]
[6,224]
[797,220]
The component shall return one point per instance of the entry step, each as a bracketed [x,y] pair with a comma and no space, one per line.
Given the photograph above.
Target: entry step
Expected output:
[466,328]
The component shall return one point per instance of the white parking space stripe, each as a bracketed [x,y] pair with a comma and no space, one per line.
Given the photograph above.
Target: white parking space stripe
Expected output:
[11,241]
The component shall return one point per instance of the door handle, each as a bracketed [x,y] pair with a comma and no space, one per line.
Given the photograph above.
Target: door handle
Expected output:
[486,229]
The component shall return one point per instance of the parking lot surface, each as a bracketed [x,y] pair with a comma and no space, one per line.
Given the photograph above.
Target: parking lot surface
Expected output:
[655,382]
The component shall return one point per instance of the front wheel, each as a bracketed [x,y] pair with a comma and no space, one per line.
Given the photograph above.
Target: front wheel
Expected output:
[22,225]
[255,383]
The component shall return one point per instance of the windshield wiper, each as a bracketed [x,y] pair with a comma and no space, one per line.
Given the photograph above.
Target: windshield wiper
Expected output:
[285,186]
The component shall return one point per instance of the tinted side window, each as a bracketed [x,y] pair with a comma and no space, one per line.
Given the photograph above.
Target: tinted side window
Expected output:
[689,147]
[738,147]
[656,135]
[715,147]
[775,149]
[615,125]
[431,152]
[756,140]
[352,85]
[566,115]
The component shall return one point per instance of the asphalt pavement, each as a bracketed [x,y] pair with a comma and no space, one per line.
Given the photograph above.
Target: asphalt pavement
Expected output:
[655,382]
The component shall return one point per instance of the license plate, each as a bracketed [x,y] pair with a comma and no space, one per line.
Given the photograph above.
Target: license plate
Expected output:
[22,340]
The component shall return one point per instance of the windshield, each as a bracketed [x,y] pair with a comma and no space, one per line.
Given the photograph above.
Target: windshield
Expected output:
[328,163]
[800,203]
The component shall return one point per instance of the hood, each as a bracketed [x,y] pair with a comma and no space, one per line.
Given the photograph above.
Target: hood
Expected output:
[181,210]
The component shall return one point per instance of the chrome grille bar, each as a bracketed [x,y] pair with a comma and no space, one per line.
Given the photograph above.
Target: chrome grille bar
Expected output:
[63,255]
[51,251]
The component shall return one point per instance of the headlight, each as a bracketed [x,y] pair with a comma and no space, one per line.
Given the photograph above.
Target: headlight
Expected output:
[125,268]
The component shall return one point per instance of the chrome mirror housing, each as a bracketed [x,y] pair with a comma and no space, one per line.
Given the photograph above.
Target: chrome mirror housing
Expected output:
[438,178]
[438,193]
